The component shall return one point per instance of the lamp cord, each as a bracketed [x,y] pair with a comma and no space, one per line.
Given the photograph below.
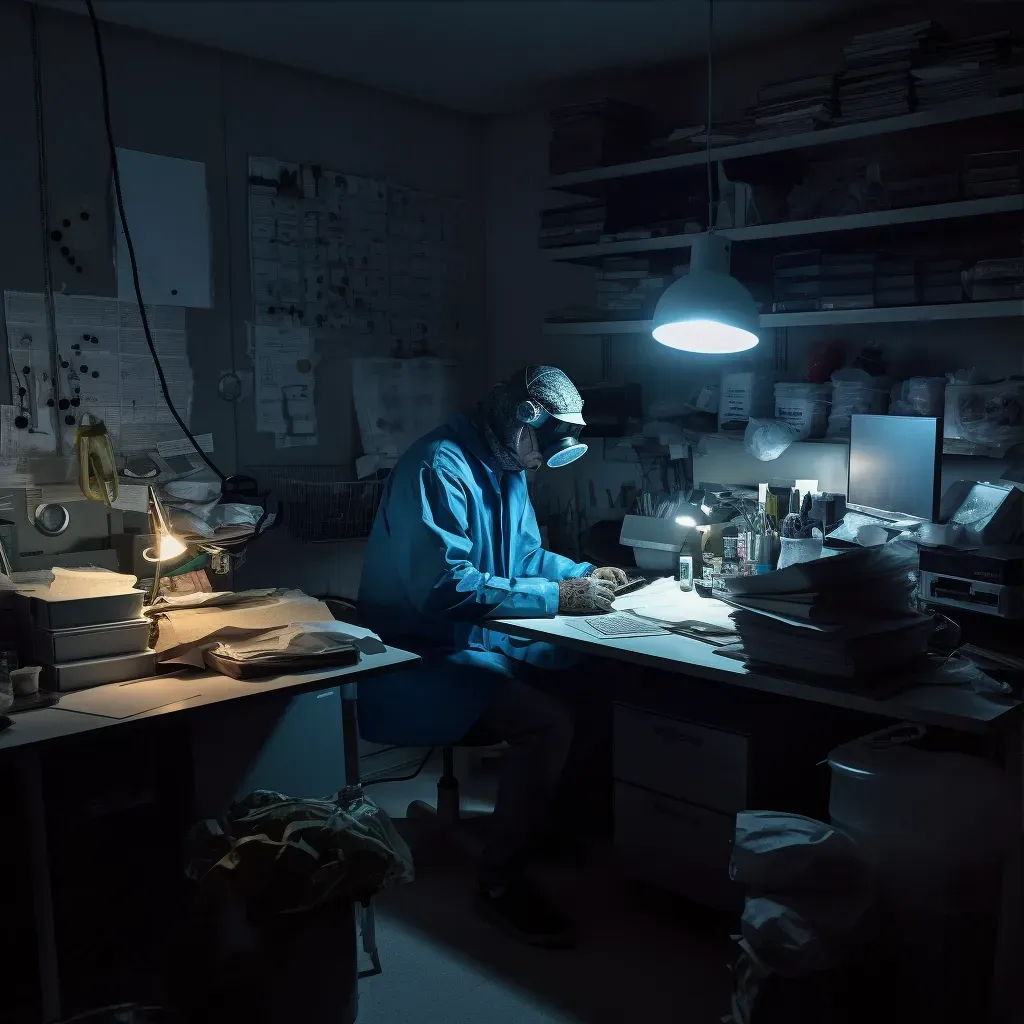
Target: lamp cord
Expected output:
[131,248]
[44,217]
[707,129]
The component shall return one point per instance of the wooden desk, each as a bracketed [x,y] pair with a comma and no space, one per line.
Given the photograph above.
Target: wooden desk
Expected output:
[101,709]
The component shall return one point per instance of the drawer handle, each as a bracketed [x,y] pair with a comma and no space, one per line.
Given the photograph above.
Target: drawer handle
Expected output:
[679,737]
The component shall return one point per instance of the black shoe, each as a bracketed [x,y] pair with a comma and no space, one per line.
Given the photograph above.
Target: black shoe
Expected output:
[521,910]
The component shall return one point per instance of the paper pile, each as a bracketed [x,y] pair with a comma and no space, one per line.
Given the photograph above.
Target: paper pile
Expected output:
[847,616]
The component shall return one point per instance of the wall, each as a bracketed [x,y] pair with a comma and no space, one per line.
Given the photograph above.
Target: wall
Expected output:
[188,101]
[523,286]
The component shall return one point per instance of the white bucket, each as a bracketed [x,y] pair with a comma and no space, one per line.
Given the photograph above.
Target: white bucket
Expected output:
[804,407]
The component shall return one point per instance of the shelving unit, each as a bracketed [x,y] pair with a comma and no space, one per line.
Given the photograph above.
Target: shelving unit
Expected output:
[798,228]
[1005,212]
[874,315]
[948,114]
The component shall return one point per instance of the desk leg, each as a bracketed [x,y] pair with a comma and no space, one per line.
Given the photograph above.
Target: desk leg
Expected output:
[365,917]
[42,894]
[1010,940]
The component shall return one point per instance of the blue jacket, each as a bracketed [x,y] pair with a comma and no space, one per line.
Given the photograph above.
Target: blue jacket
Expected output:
[455,543]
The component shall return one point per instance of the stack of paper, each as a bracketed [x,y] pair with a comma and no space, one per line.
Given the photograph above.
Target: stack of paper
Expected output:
[962,70]
[795,105]
[847,616]
[876,80]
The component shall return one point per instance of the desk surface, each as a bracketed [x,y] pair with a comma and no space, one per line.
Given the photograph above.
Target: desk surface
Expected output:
[101,707]
[950,707]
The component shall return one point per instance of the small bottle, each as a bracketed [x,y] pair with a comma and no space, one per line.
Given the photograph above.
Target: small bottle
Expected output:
[730,556]
[686,572]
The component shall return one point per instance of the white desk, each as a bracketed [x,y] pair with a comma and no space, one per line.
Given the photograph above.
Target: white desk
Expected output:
[951,707]
[102,708]
[954,708]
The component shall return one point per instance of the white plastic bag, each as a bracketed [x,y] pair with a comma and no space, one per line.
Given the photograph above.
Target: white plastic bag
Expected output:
[799,549]
[767,439]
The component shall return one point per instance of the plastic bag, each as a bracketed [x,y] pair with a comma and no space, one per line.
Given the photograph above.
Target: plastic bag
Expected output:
[286,854]
[767,439]
[854,392]
[809,891]
[799,549]
[985,413]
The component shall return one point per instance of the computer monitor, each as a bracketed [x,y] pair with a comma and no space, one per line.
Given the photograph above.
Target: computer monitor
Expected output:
[895,467]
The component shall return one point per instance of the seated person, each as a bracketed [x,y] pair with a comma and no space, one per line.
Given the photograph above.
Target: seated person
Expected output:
[456,543]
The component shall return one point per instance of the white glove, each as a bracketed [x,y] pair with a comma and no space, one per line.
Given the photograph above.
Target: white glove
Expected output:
[616,577]
[585,594]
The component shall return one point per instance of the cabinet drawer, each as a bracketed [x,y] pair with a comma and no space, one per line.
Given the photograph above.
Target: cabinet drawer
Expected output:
[681,759]
[676,846]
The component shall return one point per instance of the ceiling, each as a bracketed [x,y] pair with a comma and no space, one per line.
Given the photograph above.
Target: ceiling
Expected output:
[478,56]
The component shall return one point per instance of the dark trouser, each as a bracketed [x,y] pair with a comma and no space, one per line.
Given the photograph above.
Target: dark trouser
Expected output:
[539,731]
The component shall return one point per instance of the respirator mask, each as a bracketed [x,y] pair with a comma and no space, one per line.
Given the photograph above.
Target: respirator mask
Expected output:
[558,438]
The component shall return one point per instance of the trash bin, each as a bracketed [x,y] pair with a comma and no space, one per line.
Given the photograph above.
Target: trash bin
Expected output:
[272,936]
[935,827]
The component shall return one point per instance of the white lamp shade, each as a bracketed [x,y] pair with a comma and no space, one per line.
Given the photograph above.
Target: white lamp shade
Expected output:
[706,311]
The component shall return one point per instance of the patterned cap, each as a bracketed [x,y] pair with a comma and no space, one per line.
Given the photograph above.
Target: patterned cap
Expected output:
[552,389]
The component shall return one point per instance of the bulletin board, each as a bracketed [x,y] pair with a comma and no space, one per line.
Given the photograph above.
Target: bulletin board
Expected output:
[344,266]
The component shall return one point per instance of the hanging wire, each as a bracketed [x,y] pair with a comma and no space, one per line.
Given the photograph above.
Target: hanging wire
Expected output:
[707,127]
[44,227]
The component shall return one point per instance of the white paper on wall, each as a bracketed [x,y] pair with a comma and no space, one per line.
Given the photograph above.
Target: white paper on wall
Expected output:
[168,216]
[284,382]
[399,400]
[104,368]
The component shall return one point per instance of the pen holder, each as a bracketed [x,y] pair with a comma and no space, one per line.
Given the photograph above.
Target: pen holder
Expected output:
[761,551]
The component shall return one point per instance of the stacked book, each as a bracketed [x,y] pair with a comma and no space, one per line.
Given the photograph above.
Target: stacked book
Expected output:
[812,280]
[941,280]
[961,71]
[84,641]
[847,280]
[994,174]
[793,106]
[594,134]
[796,281]
[876,79]
[572,225]
[626,288]
[848,616]
[896,281]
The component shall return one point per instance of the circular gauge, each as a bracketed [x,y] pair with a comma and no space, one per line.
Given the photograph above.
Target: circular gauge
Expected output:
[51,520]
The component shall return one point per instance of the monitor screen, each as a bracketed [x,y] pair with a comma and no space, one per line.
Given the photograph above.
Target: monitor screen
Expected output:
[895,465]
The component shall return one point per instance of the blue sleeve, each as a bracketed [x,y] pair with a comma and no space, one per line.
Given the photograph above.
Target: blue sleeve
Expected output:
[435,553]
[543,564]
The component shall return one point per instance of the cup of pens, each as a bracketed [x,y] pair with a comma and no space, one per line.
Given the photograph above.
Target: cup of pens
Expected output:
[760,552]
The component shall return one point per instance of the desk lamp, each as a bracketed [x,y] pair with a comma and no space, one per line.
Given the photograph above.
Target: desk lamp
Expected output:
[166,547]
[708,310]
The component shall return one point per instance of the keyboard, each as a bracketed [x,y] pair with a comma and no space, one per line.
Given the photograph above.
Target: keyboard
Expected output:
[623,624]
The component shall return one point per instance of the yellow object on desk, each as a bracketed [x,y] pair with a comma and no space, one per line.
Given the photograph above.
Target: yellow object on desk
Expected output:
[97,469]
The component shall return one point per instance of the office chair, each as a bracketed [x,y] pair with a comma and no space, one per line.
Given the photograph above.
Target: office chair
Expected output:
[447,816]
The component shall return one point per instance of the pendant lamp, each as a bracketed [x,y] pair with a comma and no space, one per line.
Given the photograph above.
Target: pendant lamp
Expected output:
[707,310]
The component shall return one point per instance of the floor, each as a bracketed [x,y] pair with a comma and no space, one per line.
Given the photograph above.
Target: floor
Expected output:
[642,955]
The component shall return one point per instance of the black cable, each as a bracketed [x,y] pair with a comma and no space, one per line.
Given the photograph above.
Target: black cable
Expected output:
[403,778]
[131,248]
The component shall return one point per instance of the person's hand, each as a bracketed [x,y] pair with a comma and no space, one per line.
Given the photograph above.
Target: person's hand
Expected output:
[616,577]
[585,594]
